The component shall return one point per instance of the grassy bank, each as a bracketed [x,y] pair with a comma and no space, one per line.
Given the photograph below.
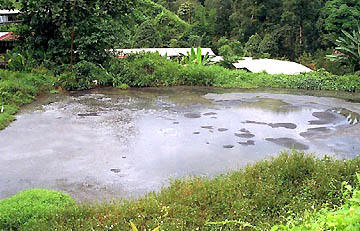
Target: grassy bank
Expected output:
[255,198]
[17,89]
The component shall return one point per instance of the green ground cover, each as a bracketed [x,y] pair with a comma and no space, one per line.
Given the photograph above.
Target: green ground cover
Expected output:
[255,198]
[347,217]
[17,89]
[151,70]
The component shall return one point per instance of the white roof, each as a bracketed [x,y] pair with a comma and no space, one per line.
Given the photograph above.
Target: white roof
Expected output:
[3,33]
[217,59]
[271,66]
[169,52]
[4,12]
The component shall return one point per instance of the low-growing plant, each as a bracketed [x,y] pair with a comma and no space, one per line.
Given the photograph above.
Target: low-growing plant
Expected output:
[17,89]
[347,217]
[31,206]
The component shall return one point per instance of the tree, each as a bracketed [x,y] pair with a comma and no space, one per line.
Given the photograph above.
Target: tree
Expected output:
[223,9]
[50,26]
[186,12]
[147,35]
[340,15]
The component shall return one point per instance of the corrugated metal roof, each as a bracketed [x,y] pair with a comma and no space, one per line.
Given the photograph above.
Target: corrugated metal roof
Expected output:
[271,66]
[7,36]
[217,59]
[169,52]
[6,12]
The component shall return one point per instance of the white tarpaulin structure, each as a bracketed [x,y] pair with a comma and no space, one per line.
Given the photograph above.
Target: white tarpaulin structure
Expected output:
[8,15]
[271,66]
[169,52]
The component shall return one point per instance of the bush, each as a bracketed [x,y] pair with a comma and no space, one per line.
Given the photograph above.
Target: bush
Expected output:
[29,206]
[145,70]
[199,75]
[85,75]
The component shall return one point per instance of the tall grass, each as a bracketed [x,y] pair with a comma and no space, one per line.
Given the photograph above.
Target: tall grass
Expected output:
[17,89]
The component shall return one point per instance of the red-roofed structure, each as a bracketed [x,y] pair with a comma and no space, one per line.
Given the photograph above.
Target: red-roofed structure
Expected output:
[9,36]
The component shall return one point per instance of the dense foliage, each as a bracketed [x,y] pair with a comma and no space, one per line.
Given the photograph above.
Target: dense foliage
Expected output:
[152,70]
[284,28]
[261,195]
[275,28]
[17,89]
[50,28]
[348,47]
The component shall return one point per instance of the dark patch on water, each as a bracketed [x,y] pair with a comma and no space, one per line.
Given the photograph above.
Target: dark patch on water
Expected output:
[222,129]
[228,146]
[283,125]
[210,113]
[207,127]
[273,125]
[288,143]
[115,170]
[196,133]
[325,117]
[315,131]
[88,114]
[254,122]
[245,135]
[192,115]
[247,143]
[244,130]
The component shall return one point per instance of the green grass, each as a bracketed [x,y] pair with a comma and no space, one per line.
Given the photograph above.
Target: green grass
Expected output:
[254,198]
[17,89]
[31,206]
[347,217]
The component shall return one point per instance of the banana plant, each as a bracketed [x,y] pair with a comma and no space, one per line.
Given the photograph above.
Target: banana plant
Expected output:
[193,57]
[348,49]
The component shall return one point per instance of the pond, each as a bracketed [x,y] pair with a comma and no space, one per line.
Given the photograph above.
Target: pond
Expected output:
[108,143]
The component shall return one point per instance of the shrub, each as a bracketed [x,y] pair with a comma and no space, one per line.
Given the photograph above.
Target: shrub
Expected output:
[85,75]
[31,205]
[198,75]
[145,70]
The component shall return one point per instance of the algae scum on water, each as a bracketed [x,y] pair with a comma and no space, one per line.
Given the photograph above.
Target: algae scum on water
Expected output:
[109,143]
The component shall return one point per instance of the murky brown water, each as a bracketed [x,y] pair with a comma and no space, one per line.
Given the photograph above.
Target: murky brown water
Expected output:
[110,143]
